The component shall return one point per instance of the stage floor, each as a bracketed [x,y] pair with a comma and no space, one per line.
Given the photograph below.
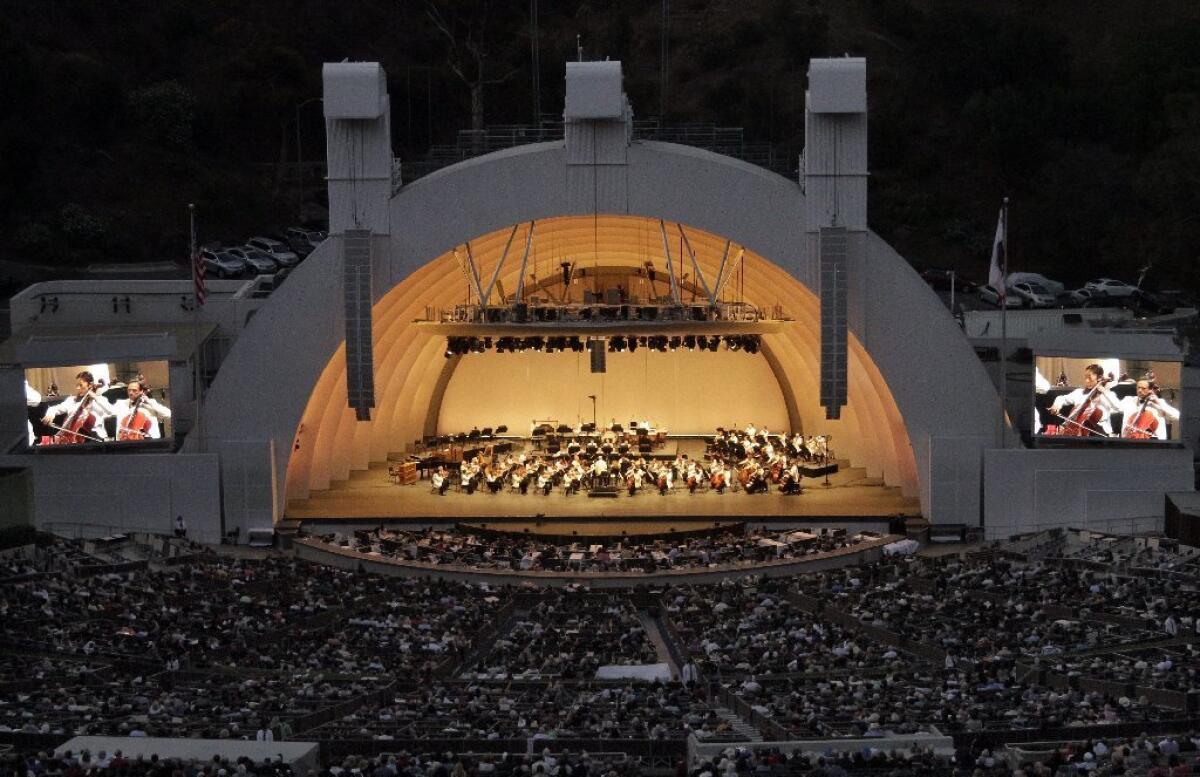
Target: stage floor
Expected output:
[370,495]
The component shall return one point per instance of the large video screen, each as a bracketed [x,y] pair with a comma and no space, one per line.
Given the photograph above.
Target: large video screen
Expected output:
[115,403]
[1106,398]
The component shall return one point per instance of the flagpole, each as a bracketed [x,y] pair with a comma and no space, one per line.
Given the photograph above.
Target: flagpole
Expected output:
[198,351]
[1004,331]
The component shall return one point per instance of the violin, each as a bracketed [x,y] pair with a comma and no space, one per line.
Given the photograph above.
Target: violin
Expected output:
[1085,419]
[1143,425]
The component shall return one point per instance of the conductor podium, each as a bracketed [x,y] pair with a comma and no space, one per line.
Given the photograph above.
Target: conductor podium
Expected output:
[603,487]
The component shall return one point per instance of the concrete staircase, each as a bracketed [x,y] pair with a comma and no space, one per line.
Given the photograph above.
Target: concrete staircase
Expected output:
[658,639]
[739,726]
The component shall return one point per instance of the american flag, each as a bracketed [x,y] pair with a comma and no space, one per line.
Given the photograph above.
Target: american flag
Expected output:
[198,276]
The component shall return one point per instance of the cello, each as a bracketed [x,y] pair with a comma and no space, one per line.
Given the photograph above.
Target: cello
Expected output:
[136,425]
[717,481]
[1143,425]
[80,425]
[1084,419]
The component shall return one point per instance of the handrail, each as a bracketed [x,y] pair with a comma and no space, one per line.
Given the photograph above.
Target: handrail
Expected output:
[672,576]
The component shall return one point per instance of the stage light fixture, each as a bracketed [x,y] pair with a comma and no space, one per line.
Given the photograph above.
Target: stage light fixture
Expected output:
[689,342]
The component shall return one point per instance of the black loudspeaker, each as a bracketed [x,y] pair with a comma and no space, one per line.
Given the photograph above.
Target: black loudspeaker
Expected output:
[520,313]
[598,352]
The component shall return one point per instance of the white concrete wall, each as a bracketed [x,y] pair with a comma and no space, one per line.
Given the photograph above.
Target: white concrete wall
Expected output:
[1116,490]
[89,303]
[137,492]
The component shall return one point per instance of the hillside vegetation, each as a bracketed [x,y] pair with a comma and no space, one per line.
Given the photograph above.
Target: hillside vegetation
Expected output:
[1086,114]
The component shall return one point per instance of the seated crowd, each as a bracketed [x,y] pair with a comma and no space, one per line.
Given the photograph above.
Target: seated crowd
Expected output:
[47,764]
[569,636]
[556,710]
[750,627]
[735,547]
[275,648]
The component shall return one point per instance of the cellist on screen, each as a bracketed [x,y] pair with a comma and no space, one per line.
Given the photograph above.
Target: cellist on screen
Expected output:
[138,415]
[1146,414]
[81,416]
[1100,405]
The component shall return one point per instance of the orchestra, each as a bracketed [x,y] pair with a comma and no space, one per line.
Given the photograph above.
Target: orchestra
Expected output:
[752,460]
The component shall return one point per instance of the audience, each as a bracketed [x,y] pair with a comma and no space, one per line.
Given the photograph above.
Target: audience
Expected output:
[1026,636]
[729,549]
[569,636]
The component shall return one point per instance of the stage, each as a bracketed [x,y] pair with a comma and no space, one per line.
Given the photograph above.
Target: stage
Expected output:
[371,496]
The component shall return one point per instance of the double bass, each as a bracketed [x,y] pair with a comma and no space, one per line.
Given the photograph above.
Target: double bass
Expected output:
[1085,418]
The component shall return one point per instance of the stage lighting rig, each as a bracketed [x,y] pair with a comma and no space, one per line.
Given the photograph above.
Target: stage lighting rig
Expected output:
[461,346]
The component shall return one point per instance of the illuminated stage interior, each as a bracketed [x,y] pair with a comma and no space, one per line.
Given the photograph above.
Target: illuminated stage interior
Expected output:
[371,495]
[339,467]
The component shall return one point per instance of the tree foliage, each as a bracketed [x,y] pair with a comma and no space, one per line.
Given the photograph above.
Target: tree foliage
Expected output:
[1087,116]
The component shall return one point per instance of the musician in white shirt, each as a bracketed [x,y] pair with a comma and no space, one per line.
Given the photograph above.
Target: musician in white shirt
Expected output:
[32,399]
[441,480]
[1101,399]
[140,399]
[1146,400]
[99,407]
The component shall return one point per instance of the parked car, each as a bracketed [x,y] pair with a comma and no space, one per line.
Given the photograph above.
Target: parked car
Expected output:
[1154,304]
[278,251]
[1054,288]
[939,278]
[257,261]
[1077,297]
[222,263]
[1031,295]
[304,241]
[1109,287]
[989,293]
